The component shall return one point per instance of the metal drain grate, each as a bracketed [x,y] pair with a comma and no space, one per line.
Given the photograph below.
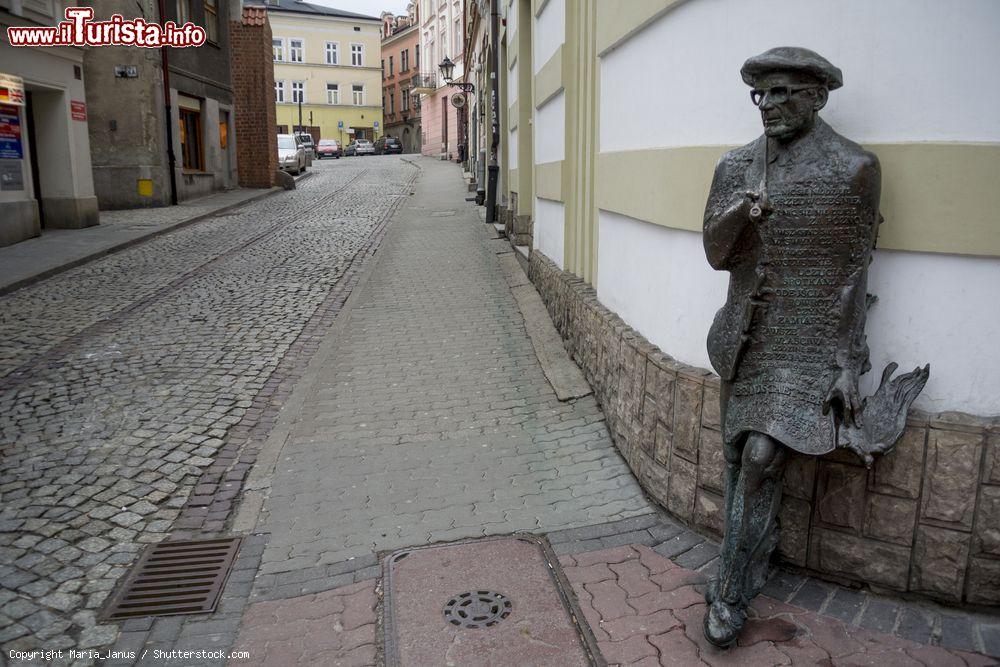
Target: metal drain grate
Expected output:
[477,609]
[176,578]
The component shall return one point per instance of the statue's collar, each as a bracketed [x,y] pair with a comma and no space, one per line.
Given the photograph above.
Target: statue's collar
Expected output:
[783,154]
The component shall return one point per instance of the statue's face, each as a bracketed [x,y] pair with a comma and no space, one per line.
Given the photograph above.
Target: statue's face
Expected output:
[788,103]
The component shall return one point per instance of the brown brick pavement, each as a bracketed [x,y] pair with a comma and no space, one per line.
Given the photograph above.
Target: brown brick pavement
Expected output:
[335,627]
[647,610]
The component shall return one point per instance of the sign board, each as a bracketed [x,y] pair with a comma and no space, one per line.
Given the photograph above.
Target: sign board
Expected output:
[10,175]
[340,125]
[350,130]
[10,133]
[78,110]
[376,125]
[11,90]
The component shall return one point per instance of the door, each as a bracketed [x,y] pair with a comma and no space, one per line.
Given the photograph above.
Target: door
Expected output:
[36,181]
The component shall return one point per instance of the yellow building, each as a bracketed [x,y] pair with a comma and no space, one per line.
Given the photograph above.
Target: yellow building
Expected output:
[329,60]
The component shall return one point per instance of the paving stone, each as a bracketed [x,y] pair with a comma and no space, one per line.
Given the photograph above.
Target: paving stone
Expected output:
[812,595]
[956,633]
[782,584]
[845,605]
[678,544]
[880,615]
[697,556]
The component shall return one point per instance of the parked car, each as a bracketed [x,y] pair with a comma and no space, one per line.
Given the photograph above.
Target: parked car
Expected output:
[385,145]
[291,154]
[328,148]
[307,143]
[359,147]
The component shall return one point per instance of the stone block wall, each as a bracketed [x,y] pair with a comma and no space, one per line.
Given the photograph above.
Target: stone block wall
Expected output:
[253,99]
[925,519]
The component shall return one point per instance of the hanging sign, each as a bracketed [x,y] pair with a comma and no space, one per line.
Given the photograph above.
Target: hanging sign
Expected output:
[11,89]
[10,133]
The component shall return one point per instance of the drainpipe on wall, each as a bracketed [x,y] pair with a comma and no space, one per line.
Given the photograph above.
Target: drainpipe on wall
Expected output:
[171,158]
[494,167]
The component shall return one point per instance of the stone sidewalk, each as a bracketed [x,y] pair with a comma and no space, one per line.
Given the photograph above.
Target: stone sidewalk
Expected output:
[59,249]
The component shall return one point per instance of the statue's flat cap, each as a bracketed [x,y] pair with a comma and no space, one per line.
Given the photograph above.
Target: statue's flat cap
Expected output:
[792,59]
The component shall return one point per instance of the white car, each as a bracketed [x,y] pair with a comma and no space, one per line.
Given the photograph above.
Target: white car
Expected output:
[291,154]
[360,147]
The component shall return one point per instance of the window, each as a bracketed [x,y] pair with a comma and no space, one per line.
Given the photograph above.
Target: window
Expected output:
[357,55]
[278,47]
[295,50]
[212,20]
[298,92]
[390,66]
[392,102]
[332,93]
[358,92]
[279,91]
[458,47]
[190,122]
[183,11]
[416,55]
[404,60]
[383,68]
[332,57]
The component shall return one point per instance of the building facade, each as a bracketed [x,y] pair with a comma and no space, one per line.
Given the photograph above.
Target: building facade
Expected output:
[442,33]
[606,177]
[45,151]
[327,74]
[400,65]
[132,164]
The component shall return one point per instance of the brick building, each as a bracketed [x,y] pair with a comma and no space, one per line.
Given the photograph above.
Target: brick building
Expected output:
[400,67]
[253,90]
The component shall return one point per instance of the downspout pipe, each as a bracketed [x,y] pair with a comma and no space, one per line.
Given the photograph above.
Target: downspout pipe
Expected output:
[171,158]
[494,166]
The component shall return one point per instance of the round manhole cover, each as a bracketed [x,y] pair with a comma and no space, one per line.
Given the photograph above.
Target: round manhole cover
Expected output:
[477,609]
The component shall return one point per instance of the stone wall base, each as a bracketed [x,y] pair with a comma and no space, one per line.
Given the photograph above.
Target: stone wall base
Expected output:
[70,212]
[925,519]
[18,221]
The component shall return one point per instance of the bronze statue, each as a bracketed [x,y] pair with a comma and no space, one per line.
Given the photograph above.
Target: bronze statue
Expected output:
[793,216]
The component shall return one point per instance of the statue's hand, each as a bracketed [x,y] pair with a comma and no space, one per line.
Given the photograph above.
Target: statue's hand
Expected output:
[844,398]
[756,205]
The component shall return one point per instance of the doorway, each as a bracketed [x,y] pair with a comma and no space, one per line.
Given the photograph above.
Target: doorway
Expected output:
[36,181]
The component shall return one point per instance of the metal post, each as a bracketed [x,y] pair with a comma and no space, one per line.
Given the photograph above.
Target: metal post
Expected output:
[171,158]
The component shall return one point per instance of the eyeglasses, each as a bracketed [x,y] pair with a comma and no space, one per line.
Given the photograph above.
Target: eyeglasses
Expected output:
[777,94]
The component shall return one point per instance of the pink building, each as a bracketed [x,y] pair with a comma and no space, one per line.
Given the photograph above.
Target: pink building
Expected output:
[442,31]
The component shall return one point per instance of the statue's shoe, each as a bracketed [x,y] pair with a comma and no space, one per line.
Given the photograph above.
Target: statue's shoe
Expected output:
[723,623]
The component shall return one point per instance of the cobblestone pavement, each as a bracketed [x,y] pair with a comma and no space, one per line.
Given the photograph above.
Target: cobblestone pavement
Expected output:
[431,419]
[120,381]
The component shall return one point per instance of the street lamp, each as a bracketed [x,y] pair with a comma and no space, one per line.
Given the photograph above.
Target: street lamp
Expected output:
[447,68]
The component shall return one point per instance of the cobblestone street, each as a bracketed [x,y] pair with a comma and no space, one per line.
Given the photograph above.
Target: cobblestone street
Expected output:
[124,378]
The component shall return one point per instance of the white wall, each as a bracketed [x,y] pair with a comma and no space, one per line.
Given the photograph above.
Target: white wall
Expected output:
[548,31]
[550,223]
[936,309]
[512,80]
[512,148]
[550,130]
[658,281]
[913,70]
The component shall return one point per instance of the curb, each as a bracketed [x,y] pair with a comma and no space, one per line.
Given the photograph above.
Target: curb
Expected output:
[48,273]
